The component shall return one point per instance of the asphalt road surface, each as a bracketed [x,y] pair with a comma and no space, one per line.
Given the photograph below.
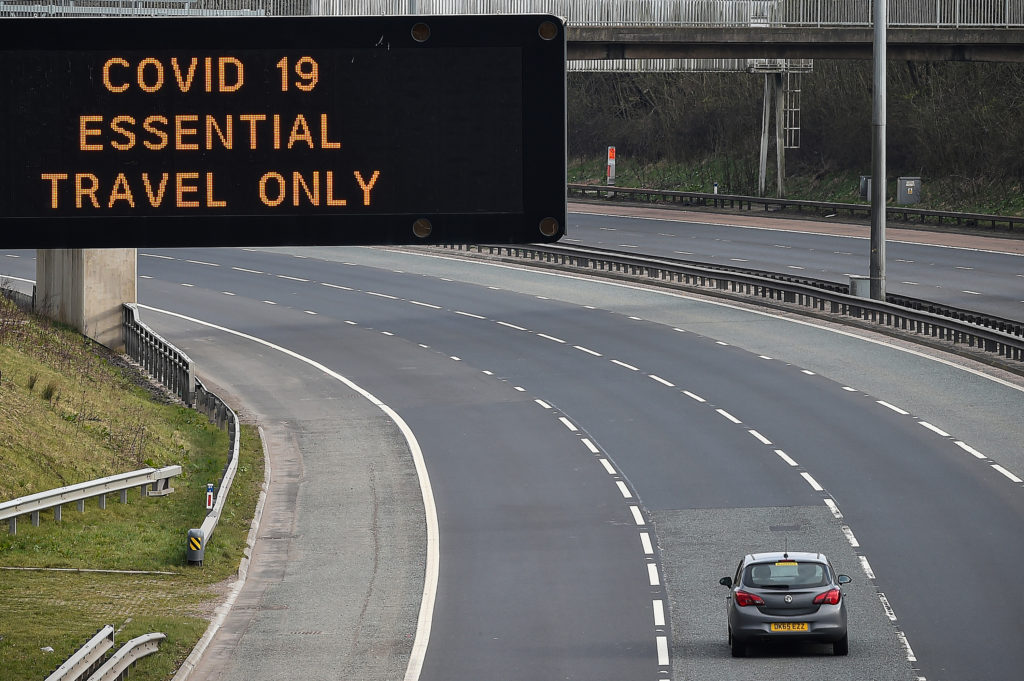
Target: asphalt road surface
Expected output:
[599,455]
[977,273]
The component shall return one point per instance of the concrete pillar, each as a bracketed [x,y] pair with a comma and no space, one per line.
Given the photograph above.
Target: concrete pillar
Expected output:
[85,288]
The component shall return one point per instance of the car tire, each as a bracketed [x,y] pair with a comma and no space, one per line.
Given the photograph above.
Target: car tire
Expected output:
[842,646]
[739,648]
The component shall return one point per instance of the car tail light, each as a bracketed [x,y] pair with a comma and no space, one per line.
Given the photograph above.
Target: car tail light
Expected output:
[743,599]
[830,597]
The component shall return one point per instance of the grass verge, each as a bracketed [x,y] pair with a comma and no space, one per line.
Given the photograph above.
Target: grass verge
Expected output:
[956,194]
[98,419]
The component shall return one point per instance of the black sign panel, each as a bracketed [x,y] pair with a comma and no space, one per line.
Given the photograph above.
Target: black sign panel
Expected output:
[281,131]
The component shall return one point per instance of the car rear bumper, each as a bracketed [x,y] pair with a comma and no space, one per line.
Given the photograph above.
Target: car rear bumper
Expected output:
[822,626]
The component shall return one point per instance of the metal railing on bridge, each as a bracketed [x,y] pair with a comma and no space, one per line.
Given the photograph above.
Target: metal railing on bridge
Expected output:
[794,13]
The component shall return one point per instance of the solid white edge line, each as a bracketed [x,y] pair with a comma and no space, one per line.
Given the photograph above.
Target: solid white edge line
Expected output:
[221,613]
[431,571]
[812,482]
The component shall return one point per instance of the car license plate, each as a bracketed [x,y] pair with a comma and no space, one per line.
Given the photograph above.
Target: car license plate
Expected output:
[789,626]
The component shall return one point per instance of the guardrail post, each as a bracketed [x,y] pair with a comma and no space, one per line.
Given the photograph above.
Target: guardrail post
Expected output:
[56,513]
[35,518]
[124,496]
[103,500]
[12,525]
[81,505]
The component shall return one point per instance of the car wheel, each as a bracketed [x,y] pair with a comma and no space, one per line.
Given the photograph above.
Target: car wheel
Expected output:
[842,646]
[739,648]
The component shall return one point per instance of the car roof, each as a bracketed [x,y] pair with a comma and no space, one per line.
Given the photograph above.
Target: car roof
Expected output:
[770,557]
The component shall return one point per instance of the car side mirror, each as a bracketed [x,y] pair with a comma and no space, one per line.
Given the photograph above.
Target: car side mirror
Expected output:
[727,581]
[844,579]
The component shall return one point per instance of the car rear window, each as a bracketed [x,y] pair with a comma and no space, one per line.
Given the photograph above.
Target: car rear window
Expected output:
[788,574]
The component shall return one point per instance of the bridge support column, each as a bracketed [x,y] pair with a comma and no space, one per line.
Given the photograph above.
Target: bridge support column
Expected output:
[85,289]
[774,98]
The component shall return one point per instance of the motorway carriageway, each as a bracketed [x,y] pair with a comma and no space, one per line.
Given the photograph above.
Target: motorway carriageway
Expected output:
[599,455]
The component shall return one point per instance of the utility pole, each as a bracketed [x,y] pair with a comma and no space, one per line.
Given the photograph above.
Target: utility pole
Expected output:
[877,265]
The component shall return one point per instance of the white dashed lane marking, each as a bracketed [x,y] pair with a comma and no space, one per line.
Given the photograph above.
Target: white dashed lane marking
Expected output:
[624,365]
[652,574]
[608,467]
[659,613]
[761,438]
[587,350]
[645,541]
[567,423]
[893,407]
[812,482]
[590,445]
[1002,471]
[969,449]
[934,429]
[785,457]
[626,494]
[728,415]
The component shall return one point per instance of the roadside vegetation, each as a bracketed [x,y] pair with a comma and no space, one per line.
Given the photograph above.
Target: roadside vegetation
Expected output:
[957,126]
[72,411]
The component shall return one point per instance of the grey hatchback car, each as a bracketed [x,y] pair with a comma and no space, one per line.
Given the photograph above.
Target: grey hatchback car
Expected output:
[786,596]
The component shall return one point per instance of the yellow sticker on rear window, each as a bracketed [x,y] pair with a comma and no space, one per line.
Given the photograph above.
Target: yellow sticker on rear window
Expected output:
[786,562]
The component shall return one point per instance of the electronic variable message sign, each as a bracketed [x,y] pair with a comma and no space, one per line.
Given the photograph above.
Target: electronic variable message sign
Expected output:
[135,132]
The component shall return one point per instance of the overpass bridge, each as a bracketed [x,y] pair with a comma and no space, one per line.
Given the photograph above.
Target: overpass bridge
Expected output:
[731,30]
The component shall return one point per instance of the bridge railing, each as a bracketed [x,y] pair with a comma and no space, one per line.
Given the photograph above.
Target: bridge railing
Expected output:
[811,13]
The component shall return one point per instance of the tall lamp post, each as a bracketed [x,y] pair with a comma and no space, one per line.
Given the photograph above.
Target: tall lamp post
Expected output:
[877,265]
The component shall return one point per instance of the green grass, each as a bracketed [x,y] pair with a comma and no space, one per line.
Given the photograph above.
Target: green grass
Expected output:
[98,421]
[958,194]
